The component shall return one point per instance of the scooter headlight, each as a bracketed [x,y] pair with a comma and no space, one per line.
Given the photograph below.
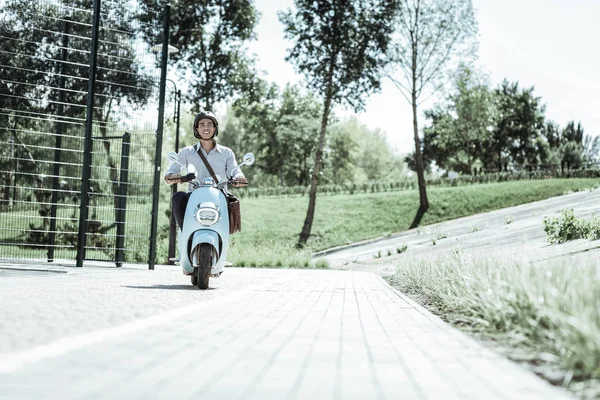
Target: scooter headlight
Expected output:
[207,216]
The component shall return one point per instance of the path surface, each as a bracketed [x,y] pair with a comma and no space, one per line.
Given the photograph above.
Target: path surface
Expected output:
[130,333]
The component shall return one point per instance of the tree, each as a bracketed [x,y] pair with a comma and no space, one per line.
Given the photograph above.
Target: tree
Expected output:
[520,121]
[578,147]
[591,149]
[210,36]
[368,155]
[552,134]
[339,46]
[284,127]
[341,156]
[460,125]
[573,133]
[430,34]
[433,146]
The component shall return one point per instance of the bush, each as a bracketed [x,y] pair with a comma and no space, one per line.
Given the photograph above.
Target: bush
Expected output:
[567,227]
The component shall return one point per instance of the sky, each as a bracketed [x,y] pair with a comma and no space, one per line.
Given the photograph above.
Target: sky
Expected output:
[551,45]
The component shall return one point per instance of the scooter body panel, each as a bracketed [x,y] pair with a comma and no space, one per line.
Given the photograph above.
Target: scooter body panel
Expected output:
[194,233]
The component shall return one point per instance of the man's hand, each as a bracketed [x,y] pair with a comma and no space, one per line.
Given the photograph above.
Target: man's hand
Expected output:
[188,177]
[237,182]
[177,178]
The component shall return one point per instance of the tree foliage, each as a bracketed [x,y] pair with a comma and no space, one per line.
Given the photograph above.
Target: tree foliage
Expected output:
[282,128]
[500,128]
[461,124]
[519,122]
[210,36]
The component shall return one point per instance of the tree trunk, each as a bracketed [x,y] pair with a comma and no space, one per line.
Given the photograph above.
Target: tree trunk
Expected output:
[499,160]
[304,235]
[110,162]
[6,199]
[424,203]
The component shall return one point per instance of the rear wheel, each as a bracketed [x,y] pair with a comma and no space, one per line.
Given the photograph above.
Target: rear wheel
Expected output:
[204,267]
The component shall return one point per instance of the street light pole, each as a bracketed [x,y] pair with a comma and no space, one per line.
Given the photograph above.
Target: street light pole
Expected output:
[172,224]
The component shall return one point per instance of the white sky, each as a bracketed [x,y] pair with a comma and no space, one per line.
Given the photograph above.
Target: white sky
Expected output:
[552,45]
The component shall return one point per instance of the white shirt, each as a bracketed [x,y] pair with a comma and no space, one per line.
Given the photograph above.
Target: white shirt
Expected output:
[221,159]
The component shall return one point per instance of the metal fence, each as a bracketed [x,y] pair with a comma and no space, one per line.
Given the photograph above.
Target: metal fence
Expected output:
[74,105]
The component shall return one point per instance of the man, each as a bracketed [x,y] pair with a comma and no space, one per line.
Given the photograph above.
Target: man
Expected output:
[221,159]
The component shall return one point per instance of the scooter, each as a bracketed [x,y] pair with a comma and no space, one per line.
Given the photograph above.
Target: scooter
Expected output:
[204,239]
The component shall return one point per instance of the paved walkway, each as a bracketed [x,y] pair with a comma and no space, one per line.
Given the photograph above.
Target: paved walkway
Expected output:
[100,333]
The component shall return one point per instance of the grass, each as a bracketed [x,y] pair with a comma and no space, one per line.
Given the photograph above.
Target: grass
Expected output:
[546,315]
[270,226]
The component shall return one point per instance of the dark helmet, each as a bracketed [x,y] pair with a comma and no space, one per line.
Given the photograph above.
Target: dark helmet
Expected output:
[209,115]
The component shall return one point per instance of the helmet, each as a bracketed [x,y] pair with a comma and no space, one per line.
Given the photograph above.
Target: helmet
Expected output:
[209,115]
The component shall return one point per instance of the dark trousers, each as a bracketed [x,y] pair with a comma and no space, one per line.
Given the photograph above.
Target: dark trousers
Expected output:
[180,200]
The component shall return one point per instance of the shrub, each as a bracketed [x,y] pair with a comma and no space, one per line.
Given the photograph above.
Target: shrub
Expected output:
[567,227]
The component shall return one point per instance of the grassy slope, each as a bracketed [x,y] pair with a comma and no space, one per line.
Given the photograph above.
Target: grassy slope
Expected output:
[271,225]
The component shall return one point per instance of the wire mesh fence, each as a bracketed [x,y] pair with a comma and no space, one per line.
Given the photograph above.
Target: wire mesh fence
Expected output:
[45,53]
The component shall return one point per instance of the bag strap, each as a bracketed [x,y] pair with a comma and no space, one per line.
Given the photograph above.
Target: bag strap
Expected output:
[208,167]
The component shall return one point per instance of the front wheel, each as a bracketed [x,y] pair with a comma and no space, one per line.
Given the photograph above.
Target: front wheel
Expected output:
[204,267]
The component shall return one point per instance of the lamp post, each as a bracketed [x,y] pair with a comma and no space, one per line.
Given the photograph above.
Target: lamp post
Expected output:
[172,224]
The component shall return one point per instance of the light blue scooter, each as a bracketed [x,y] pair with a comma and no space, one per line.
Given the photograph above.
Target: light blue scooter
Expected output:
[204,239]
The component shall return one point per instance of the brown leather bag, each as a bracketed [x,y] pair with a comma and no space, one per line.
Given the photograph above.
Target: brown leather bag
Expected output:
[235,213]
[233,203]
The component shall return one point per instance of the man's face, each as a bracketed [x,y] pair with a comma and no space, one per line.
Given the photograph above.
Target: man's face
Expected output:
[205,128]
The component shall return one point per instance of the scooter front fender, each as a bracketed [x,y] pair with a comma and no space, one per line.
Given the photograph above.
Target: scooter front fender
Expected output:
[202,236]
[206,236]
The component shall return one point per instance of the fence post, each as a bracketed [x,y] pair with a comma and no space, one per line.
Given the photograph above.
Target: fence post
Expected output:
[87,143]
[122,212]
[58,145]
[164,54]
[172,223]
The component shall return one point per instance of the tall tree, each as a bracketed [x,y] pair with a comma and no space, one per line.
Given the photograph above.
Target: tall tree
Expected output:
[429,35]
[339,46]
[210,36]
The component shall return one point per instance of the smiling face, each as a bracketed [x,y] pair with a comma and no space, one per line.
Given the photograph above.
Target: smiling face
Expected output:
[205,128]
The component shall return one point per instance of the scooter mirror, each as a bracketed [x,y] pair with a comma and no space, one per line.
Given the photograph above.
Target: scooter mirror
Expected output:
[248,159]
[173,157]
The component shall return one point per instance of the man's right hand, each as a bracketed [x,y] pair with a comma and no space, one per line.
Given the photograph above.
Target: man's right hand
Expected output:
[177,178]
[188,177]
